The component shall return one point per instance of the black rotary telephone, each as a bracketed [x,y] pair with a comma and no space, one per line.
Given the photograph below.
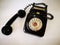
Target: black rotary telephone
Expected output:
[36,20]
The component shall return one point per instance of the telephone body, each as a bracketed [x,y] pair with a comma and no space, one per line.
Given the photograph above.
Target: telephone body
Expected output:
[36,21]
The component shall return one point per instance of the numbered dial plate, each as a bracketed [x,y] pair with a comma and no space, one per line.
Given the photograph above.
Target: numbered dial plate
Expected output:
[35,24]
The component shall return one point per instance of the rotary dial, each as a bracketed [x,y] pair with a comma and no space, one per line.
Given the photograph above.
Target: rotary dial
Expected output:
[35,24]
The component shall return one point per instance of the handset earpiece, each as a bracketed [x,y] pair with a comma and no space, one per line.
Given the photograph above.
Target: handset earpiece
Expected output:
[7,29]
[21,13]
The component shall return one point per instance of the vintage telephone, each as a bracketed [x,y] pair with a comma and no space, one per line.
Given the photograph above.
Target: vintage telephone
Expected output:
[35,22]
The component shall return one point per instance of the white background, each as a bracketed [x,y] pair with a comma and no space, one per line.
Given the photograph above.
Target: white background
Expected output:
[10,7]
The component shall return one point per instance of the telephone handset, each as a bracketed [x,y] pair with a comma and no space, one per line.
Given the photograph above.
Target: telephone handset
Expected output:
[36,20]
[7,29]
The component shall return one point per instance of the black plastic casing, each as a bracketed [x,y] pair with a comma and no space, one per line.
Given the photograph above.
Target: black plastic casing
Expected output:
[42,16]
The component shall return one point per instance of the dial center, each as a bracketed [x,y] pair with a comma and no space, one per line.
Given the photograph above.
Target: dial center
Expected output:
[34,24]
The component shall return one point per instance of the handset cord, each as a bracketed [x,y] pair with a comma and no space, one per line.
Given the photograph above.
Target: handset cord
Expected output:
[33,4]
